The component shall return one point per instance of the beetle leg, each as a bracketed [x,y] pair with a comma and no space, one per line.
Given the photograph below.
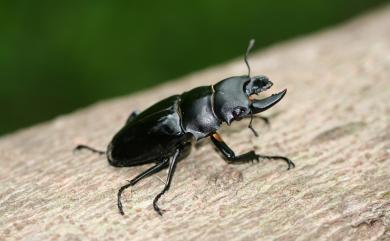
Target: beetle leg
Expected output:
[263,118]
[251,127]
[286,159]
[171,171]
[229,153]
[247,157]
[154,169]
[81,147]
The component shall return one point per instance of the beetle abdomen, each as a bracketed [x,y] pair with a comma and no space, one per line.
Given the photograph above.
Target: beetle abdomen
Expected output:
[150,137]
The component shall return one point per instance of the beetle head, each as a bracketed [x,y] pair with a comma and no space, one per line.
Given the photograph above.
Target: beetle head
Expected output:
[233,96]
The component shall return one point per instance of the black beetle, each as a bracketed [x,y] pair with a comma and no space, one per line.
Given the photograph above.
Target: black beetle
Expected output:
[163,133]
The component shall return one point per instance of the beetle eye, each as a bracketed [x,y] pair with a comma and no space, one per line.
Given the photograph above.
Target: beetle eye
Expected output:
[237,112]
[256,85]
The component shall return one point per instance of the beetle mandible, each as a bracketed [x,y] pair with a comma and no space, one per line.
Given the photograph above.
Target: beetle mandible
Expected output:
[163,133]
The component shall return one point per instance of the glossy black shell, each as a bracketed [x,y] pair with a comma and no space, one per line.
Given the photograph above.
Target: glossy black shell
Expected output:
[157,132]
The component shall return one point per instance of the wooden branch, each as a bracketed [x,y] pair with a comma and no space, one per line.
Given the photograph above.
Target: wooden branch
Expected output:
[334,123]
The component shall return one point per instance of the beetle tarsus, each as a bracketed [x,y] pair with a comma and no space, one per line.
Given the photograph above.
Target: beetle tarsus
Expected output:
[286,159]
[155,206]
[119,197]
[81,147]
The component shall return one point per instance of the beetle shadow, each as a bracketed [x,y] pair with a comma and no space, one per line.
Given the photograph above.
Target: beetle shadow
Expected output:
[201,143]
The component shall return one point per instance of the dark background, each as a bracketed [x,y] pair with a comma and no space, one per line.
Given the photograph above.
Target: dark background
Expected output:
[56,56]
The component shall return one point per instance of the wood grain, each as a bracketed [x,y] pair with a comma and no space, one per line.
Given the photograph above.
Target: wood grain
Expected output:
[334,123]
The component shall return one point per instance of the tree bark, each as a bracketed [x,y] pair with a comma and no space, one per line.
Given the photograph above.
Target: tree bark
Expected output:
[334,123]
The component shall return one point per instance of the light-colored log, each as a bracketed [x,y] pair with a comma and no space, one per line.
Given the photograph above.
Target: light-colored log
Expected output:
[334,123]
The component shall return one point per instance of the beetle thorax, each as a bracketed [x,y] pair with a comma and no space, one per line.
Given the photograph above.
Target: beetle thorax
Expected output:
[196,108]
[230,100]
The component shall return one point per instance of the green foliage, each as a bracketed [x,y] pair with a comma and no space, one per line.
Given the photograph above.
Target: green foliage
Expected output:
[56,56]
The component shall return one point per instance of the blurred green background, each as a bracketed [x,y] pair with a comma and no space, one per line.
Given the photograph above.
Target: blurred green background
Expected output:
[56,56]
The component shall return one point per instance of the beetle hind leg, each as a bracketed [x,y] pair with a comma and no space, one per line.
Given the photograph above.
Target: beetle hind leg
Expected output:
[82,147]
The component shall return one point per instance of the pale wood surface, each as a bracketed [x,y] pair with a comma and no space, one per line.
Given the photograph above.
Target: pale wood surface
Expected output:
[334,123]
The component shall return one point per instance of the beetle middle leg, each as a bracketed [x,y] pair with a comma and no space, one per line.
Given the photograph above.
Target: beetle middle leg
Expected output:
[263,118]
[244,158]
[154,169]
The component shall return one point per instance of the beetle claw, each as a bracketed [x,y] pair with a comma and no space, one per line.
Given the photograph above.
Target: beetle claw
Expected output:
[159,211]
[286,159]
[290,164]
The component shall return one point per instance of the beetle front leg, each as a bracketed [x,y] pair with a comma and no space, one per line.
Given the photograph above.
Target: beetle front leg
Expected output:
[229,154]
[244,158]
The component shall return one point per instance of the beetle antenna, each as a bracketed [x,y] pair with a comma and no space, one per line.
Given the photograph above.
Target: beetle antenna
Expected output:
[250,46]
[251,127]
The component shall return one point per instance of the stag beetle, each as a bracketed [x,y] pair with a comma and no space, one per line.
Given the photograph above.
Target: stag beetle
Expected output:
[163,133]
